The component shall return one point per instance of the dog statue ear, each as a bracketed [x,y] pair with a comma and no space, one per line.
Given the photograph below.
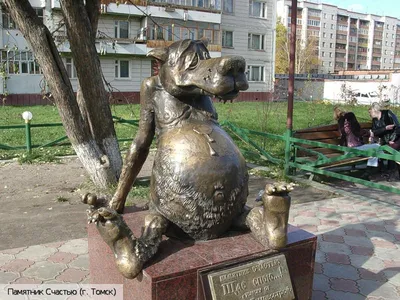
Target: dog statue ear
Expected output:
[204,40]
[159,53]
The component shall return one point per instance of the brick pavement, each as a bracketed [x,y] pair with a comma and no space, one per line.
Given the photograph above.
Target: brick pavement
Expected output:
[358,254]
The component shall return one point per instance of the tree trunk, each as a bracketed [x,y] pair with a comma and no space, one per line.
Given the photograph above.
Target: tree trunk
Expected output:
[93,136]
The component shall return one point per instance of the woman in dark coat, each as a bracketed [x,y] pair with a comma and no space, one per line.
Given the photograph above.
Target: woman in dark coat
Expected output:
[385,126]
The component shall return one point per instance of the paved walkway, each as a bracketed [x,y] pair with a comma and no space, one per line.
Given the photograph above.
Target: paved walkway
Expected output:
[358,253]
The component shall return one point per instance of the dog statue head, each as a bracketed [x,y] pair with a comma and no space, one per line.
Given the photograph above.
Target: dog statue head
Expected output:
[188,70]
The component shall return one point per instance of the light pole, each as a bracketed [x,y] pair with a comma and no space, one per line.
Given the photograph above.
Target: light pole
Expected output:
[27,116]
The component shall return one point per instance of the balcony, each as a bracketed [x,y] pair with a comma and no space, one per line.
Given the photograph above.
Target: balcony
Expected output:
[341,40]
[163,37]
[340,50]
[378,29]
[340,59]
[136,2]
[163,43]
[376,63]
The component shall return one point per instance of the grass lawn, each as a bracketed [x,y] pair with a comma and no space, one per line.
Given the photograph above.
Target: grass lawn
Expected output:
[260,116]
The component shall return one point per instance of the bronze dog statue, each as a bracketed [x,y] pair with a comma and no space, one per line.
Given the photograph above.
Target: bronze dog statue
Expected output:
[199,182]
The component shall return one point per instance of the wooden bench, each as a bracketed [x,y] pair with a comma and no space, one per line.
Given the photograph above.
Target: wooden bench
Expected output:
[326,134]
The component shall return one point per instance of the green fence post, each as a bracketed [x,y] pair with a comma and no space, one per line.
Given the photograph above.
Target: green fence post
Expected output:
[288,135]
[27,116]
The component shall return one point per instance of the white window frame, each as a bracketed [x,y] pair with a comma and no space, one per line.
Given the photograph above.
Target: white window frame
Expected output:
[224,10]
[8,22]
[263,10]
[117,29]
[117,67]
[70,67]
[224,39]
[315,23]
[13,62]
[250,41]
[250,73]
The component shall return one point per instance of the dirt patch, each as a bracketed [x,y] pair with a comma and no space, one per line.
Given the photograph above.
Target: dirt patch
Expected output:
[41,203]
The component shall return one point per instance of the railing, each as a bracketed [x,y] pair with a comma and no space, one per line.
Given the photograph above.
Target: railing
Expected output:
[294,144]
[167,34]
[61,141]
[296,163]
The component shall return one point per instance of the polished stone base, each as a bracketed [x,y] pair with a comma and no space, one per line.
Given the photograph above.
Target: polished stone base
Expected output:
[174,272]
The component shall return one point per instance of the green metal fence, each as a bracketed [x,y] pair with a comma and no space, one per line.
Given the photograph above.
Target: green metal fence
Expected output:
[294,163]
[291,162]
[62,140]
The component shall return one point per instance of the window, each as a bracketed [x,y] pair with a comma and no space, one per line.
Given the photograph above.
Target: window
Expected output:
[256,41]
[39,13]
[323,64]
[323,54]
[121,29]
[313,23]
[121,69]
[314,13]
[69,65]
[299,21]
[342,27]
[228,6]
[331,35]
[324,25]
[258,9]
[330,54]
[332,26]
[324,16]
[333,17]
[8,22]
[255,73]
[19,62]
[324,34]
[331,45]
[227,38]
[330,64]
[323,44]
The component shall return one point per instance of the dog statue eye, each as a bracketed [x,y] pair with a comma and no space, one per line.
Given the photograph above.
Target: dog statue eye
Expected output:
[194,63]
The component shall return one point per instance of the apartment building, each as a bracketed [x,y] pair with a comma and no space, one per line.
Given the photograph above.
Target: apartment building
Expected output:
[347,40]
[127,32]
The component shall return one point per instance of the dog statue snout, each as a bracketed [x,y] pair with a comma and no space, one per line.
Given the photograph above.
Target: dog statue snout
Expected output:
[233,65]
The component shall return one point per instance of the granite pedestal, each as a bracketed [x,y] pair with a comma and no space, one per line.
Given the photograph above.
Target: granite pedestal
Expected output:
[173,271]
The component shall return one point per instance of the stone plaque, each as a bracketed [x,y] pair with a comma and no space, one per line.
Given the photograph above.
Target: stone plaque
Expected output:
[261,279]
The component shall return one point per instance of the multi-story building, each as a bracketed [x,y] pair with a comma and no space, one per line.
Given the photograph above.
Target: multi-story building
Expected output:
[347,40]
[127,32]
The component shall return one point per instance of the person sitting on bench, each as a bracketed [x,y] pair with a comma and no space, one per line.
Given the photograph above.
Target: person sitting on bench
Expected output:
[351,136]
[385,126]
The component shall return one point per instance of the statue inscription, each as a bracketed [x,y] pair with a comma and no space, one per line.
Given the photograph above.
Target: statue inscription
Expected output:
[264,279]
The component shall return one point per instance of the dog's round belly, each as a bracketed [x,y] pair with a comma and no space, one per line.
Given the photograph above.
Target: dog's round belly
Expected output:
[199,179]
